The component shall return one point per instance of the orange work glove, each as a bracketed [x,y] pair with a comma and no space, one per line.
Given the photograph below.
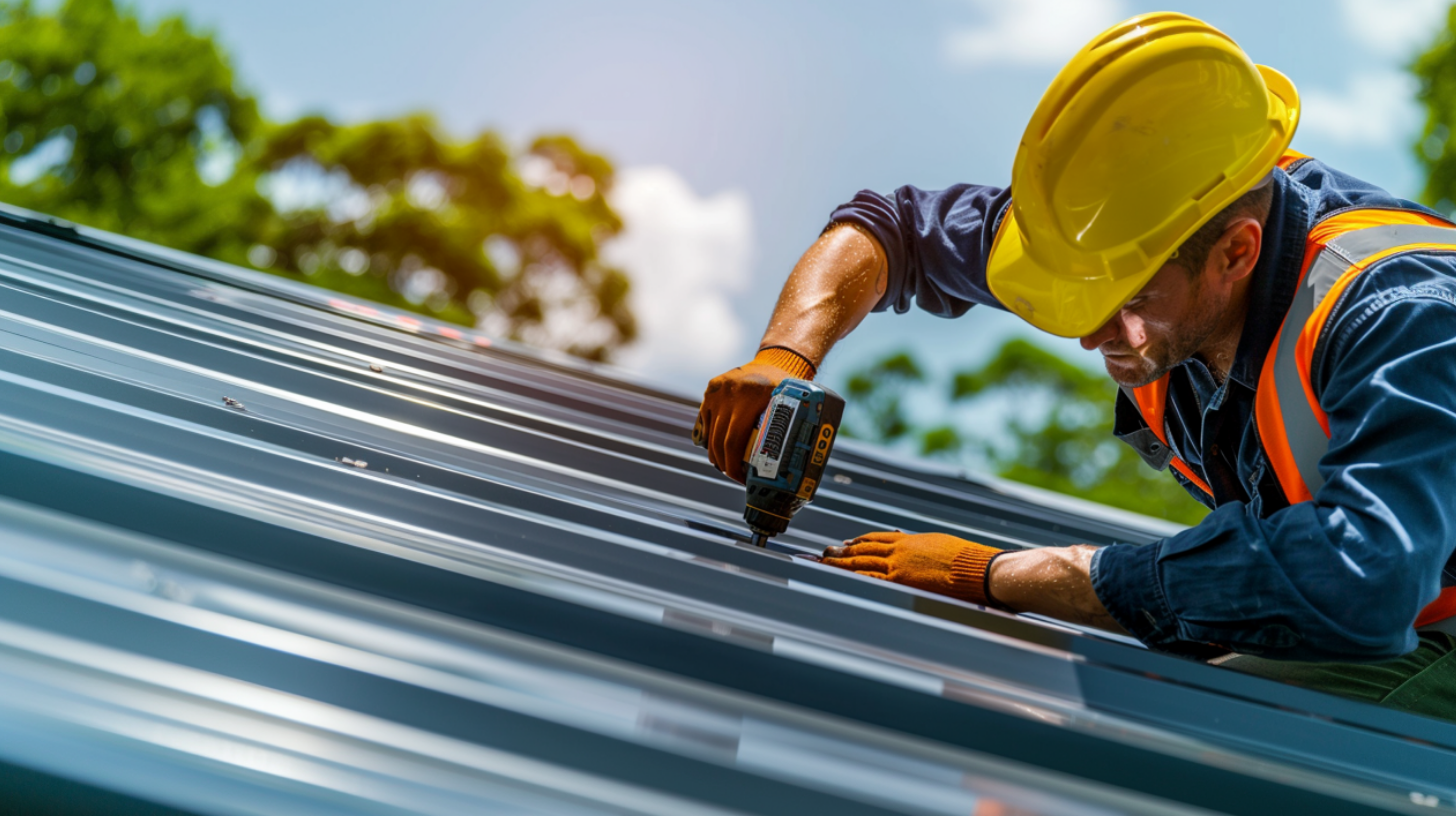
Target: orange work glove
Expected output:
[934,562]
[734,401]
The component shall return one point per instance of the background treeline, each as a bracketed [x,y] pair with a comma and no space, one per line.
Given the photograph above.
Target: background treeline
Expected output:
[145,130]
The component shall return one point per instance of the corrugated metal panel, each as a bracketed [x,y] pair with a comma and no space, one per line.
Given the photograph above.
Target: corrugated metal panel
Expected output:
[267,550]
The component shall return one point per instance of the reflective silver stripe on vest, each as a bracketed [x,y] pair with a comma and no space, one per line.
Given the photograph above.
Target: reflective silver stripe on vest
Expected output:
[1307,440]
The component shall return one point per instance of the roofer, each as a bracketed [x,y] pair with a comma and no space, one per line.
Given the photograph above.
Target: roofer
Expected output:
[1284,336]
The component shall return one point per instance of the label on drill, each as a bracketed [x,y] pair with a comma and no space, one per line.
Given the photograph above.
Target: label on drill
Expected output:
[806,489]
[773,443]
[821,445]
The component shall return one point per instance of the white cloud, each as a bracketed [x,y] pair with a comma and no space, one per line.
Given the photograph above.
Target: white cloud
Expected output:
[1393,27]
[1031,32]
[1376,110]
[685,255]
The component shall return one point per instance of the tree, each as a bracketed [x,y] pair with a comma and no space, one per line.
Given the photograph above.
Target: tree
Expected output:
[1056,432]
[875,410]
[146,132]
[128,130]
[417,219]
[1435,150]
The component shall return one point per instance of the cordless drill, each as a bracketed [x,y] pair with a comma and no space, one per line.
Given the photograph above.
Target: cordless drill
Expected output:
[786,459]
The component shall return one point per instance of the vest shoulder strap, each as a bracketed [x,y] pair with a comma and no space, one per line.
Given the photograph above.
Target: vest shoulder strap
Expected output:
[1293,429]
[1289,159]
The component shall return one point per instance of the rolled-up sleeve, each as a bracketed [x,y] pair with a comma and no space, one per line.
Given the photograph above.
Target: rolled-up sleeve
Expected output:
[1343,577]
[936,242]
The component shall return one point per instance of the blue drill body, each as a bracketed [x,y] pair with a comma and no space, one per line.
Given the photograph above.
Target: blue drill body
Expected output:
[790,449]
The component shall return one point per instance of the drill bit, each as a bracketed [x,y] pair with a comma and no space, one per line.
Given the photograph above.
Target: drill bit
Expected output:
[759,540]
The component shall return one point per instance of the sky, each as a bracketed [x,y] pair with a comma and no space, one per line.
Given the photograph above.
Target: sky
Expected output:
[737,127]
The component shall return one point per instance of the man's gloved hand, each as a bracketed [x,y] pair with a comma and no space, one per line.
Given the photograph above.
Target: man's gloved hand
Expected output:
[735,400]
[934,562]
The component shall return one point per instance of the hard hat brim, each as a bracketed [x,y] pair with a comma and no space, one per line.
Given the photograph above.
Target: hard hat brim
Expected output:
[1051,302]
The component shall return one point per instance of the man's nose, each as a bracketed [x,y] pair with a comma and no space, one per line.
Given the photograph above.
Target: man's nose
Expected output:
[1105,332]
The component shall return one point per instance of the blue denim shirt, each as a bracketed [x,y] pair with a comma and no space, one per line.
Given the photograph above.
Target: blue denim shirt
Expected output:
[1340,578]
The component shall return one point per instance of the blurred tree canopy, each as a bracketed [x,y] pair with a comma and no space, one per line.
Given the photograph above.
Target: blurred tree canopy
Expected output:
[1435,150]
[145,131]
[127,130]
[1057,434]
[876,399]
[460,228]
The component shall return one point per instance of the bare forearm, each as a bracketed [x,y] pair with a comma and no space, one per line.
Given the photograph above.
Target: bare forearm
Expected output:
[1053,581]
[834,285]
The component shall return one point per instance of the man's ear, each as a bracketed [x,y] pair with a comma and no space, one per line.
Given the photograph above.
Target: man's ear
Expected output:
[1237,250]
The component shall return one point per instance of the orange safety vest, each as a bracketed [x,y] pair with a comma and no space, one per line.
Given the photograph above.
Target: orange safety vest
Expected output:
[1293,430]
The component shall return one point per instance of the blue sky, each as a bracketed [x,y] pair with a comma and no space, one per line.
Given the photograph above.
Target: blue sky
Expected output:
[740,125]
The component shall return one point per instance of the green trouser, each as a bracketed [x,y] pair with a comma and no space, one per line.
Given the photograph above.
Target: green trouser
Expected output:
[1421,682]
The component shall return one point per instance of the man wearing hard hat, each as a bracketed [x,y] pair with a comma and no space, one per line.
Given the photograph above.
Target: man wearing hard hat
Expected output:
[1284,337]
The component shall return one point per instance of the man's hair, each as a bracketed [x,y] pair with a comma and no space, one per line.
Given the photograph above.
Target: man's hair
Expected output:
[1193,254]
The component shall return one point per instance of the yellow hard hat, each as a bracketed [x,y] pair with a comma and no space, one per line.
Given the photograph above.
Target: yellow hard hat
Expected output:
[1149,131]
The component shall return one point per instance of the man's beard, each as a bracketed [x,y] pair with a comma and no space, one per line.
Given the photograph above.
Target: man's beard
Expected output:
[1136,370]
[1131,369]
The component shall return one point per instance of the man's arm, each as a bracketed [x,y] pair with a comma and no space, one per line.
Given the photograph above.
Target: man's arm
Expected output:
[925,247]
[1052,581]
[833,286]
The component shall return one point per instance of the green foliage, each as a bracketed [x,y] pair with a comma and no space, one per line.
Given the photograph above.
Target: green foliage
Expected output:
[1436,150]
[875,393]
[107,124]
[144,131]
[412,214]
[1057,434]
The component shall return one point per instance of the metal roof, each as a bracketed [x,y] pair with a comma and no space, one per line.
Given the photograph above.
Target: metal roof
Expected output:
[264,549]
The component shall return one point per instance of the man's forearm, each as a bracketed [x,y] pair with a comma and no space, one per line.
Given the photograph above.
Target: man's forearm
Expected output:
[834,285]
[1052,581]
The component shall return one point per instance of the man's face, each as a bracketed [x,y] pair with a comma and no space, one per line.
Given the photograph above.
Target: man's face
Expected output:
[1167,322]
